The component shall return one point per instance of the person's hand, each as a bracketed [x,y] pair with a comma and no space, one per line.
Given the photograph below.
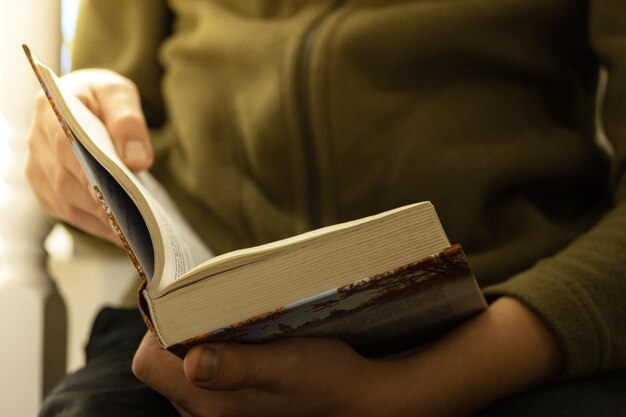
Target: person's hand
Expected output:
[53,170]
[290,377]
[499,352]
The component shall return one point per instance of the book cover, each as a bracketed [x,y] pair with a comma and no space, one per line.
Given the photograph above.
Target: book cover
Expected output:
[387,312]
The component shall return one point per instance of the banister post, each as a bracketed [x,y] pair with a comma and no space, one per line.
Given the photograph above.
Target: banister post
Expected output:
[28,303]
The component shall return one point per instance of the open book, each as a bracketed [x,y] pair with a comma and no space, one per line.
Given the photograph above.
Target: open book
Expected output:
[390,279]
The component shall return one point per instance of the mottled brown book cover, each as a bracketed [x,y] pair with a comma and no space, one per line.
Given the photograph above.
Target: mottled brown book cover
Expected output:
[376,315]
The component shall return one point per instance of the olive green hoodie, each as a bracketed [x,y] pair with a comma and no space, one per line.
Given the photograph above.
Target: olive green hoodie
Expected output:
[271,117]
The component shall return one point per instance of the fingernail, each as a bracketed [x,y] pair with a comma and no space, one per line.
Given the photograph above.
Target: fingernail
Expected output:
[135,152]
[208,365]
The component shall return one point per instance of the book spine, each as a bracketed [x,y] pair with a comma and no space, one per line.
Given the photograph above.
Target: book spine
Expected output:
[33,63]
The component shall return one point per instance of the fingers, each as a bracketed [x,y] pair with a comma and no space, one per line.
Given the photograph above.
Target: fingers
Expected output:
[237,366]
[116,101]
[160,369]
[50,148]
[57,179]
[120,109]
[163,372]
[218,367]
[78,208]
[298,376]
[59,183]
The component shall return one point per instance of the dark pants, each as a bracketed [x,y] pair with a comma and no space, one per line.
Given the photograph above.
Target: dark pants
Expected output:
[107,387]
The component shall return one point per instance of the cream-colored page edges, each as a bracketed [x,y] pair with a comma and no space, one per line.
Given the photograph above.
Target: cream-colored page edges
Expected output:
[239,258]
[298,271]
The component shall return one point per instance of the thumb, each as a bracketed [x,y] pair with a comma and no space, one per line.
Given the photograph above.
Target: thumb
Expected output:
[230,366]
[121,112]
[129,133]
[136,152]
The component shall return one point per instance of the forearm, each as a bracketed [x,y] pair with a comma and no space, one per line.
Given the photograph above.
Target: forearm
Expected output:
[503,350]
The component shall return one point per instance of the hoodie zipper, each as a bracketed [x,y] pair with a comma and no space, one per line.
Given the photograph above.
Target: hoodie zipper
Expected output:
[314,196]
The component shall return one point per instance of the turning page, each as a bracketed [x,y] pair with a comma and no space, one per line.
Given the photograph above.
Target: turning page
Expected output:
[143,215]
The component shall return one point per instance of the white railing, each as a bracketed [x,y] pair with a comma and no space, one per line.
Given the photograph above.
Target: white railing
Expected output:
[32,325]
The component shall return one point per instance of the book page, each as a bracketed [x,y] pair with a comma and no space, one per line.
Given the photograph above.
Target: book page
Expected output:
[118,204]
[135,201]
[182,247]
[424,212]
[185,250]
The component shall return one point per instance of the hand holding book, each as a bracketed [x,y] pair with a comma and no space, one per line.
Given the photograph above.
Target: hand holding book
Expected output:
[380,283]
[496,353]
[54,172]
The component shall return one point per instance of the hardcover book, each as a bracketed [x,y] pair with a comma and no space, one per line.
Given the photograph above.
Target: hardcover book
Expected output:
[382,283]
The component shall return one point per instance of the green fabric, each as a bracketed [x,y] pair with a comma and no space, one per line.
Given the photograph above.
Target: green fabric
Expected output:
[273,117]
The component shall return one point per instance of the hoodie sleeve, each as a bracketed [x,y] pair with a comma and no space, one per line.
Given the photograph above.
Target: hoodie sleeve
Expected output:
[580,293]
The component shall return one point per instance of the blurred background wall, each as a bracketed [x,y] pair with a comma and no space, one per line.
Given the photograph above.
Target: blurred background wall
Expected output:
[25,290]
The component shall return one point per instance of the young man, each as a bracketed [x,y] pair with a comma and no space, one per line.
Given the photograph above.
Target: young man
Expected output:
[268,118]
